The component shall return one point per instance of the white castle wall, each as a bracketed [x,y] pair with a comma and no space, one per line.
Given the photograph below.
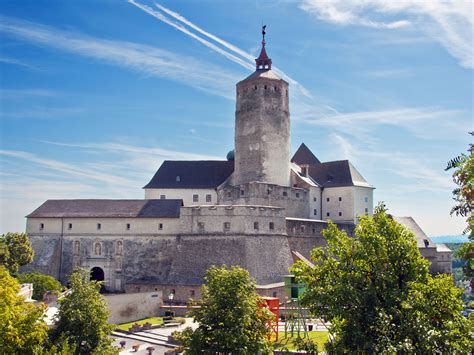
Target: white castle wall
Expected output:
[185,194]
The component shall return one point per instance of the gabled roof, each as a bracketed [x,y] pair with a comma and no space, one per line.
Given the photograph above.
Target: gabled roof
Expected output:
[304,156]
[184,174]
[422,239]
[108,208]
[336,174]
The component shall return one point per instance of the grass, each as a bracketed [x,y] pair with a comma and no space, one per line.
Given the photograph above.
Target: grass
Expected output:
[152,320]
[318,337]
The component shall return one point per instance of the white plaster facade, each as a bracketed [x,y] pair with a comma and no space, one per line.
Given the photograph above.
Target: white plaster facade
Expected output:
[204,196]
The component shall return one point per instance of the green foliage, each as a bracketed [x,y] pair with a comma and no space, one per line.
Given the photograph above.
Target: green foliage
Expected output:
[372,288]
[82,317]
[41,283]
[306,344]
[230,318]
[22,329]
[463,176]
[15,251]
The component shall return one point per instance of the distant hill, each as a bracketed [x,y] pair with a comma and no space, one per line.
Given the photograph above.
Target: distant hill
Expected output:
[450,239]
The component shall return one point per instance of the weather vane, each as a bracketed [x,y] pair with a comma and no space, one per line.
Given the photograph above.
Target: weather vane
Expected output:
[263,31]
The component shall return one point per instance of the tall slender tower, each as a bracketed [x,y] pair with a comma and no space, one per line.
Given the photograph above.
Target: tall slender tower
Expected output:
[262,126]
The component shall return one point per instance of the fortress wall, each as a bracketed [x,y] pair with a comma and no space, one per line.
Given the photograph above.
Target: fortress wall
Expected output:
[294,200]
[47,254]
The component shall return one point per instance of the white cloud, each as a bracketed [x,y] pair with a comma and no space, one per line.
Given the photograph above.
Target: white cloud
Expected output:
[449,22]
[146,59]
[17,62]
[14,94]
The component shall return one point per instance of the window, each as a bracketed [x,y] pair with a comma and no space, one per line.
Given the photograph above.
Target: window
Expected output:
[315,212]
[265,87]
[340,214]
[162,197]
[285,193]
[271,225]
[297,194]
[242,192]
[208,198]
[201,226]
[327,199]
[255,225]
[160,226]
[99,226]
[193,293]
[314,230]
[328,214]
[195,198]
[128,226]
[302,229]
[41,226]
[315,199]
[275,294]
[226,226]
[69,226]
[366,210]
[366,199]
[340,198]
[178,178]
[269,191]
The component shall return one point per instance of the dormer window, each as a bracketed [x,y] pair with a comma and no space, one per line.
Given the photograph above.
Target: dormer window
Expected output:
[178,178]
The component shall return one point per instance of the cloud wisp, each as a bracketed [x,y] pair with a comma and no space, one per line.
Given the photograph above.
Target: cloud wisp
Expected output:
[449,22]
[141,58]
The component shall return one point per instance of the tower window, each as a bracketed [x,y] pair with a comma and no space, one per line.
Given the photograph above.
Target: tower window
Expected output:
[128,226]
[276,89]
[366,199]
[208,198]
[271,226]
[41,226]
[226,226]
[340,214]
[328,214]
[99,226]
[315,199]
[265,87]
[297,194]
[315,211]
[160,226]
[242,192]
[195,198]
[340,198]
[255,225]
[178,178]
[269,191]
[255,87]
[69,226]
[285,193]
[366,210]
[327,199]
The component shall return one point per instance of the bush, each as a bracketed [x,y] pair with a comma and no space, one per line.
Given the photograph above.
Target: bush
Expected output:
[41,283]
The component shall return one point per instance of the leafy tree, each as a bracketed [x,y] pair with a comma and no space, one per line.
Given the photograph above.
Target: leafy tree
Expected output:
[376,291]
[15,251]
[230,318]
[22,329]
[41,283]
[82,317]
[463,176]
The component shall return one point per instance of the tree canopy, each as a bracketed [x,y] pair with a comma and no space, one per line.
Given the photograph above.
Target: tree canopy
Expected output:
[83,317]
[41,283]
[22,328]
[230,317]
[15,251]
[376,291]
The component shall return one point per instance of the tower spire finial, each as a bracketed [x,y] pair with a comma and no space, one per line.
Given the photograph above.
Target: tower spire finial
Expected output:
[263,61]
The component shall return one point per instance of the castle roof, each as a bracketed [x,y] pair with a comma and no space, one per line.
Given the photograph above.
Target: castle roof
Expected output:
[422,239]
[304,156]
[108,208]
[186,174]
[336,174]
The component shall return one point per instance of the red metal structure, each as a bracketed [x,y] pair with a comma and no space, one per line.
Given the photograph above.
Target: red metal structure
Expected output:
[273,305]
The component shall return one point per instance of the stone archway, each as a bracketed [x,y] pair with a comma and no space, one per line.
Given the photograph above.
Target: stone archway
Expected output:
[97,274]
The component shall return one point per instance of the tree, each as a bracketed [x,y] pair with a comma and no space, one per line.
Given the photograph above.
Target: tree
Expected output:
[22,328]
[376,291]
[230,317]
[463,176]
[41,283]
[15,251]
[82,317]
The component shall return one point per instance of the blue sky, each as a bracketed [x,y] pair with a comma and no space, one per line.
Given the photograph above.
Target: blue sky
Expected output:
[96,94]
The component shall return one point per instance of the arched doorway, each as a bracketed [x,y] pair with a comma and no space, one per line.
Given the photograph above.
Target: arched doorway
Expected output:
[97,274]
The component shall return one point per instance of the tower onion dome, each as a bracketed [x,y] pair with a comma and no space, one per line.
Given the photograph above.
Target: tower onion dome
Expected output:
[231,155]
[263,62]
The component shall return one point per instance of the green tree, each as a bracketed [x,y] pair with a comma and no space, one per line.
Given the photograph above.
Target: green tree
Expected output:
[463,176]
[41,283]
[15,251]
[22,328]
[82,317]
[230,318]
[376,291]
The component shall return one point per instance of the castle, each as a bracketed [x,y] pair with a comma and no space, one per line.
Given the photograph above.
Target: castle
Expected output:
[259,209]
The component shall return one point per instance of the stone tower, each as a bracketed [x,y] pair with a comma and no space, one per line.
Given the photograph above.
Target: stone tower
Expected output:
[262,126]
